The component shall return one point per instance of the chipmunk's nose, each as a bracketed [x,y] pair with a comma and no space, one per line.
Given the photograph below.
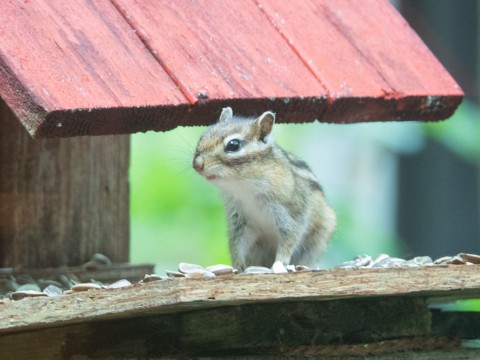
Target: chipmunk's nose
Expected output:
[198,163]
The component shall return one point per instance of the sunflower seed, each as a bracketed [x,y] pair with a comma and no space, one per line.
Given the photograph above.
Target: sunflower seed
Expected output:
[443,260]
[348,265]
[119,284]
[52,290]
[174,274]
[423,260]
[362,260]
[456,260]
[472,258]
[153,277]
[200,274]
[221,269]
[45,283]
[85,287]
[378,259]
[389,263]
[18,295]
[302,268]
[291,268]
[411,263]
[186,268]
[279,268]
[101,259]
[66,282]
[257,270]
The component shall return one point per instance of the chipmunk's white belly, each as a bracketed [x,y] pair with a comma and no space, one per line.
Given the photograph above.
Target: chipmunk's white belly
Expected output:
[261,240]
[260,227]
[258,216]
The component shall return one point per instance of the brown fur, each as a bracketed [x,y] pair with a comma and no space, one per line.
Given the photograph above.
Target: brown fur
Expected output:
[276,210]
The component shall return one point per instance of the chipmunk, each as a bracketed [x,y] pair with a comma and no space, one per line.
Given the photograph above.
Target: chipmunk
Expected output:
[276,210]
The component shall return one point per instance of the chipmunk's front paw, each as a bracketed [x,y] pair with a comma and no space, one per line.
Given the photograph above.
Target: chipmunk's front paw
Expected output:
[279,268]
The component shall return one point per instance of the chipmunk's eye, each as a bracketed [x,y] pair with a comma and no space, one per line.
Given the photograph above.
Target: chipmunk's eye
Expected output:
[233,145]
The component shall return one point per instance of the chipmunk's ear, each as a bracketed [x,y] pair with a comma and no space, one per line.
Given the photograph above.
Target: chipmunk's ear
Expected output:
[265,124]
[226,114]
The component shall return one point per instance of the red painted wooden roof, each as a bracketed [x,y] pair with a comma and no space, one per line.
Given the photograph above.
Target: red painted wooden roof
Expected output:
[86,67]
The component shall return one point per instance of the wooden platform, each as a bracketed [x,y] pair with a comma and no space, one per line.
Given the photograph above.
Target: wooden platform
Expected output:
[335,312]
[123,66]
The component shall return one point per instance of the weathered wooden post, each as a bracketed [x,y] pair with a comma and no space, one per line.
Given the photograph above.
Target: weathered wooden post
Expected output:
[61,200]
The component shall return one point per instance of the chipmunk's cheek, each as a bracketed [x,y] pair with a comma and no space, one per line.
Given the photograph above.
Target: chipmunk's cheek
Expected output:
[213,173]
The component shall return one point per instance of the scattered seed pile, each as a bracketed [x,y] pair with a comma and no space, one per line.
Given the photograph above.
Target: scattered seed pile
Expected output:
[22,286]
[385,261]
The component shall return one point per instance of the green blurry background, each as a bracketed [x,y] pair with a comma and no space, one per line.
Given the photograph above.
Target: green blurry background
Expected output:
[175,214]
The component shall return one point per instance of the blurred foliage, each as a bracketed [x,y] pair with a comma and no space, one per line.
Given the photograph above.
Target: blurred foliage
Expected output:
[461,133]
[460,305]
[175,214]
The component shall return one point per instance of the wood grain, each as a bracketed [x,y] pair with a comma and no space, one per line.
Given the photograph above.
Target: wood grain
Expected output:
[72,57]
[362,52]
[291,329]
[444,283]
[97,68]
[338,313]
[220,49]
[61,200]
[350,74]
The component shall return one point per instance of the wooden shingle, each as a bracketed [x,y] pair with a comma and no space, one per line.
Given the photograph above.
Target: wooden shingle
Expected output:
[94,68]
